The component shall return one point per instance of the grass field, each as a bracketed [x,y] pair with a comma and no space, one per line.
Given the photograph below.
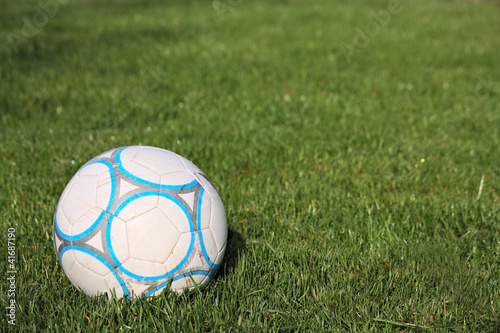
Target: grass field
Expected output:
[355,146]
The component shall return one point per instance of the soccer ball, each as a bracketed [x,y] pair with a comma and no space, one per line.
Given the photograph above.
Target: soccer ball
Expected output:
[135,220]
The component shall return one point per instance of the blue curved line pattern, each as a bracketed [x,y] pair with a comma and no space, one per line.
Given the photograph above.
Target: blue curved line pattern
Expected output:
[147,182]
[103,213]
[101,260]
[163,285]
[200,234]
[117,212]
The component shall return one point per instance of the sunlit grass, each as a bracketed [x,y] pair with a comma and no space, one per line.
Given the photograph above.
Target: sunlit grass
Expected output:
[362,191]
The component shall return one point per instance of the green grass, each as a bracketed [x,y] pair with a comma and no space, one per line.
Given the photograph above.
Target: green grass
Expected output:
[351,184]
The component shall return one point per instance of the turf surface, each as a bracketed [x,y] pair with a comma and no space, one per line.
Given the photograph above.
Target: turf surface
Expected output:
[355,146]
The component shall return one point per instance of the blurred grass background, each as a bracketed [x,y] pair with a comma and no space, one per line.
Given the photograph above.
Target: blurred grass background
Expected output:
[362,189]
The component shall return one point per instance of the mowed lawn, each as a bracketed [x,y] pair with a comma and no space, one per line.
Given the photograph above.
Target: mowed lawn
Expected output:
[355,145]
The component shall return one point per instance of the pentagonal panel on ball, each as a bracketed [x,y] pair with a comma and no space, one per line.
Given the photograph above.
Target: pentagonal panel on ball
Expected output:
[218,222]
[191,281]
[137,205]
[144,270]
[160,160]
[208,246]
[146,164]
[83,223]
[190,166]
[105,189]
[81,197]
[176,213]
[174,179]
[181,252]
[117,240]
[204,210]
[97,280]
[151,236]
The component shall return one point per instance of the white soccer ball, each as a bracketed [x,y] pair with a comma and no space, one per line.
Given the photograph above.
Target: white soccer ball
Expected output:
[137,219]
